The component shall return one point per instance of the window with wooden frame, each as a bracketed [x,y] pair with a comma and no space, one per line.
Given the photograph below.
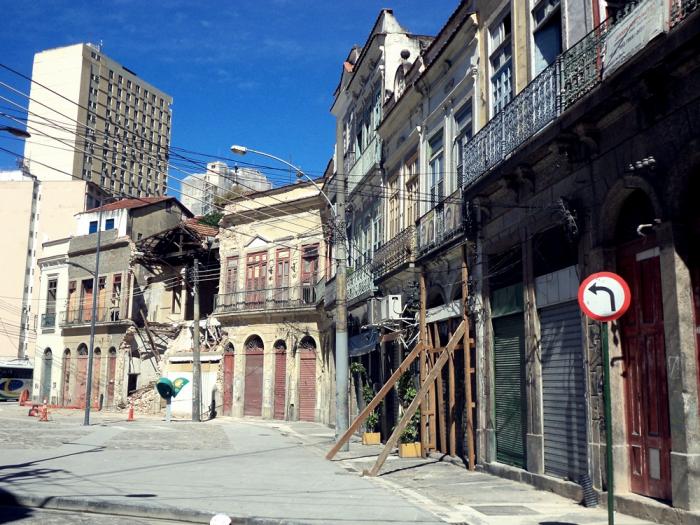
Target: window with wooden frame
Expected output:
[412,184]
[231,284]
[547,33]
[394,220]
[501,63]
[436,169]
[463,123]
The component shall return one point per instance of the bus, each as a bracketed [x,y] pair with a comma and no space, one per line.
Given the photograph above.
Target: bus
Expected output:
[15,377]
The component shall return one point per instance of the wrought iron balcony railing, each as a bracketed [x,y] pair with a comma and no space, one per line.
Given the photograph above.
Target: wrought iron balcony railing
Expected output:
[369,157]
[573,74]
[441,224]
[48,321]
[269,299]
[83,316]
[398,251]
[360,282]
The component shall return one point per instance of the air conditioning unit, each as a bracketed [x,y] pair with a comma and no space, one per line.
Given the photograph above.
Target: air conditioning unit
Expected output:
[391,307]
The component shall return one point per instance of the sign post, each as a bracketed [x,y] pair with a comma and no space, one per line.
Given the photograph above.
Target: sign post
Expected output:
[605,296]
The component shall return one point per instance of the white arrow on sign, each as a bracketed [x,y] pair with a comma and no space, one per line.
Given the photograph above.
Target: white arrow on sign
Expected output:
[604,296]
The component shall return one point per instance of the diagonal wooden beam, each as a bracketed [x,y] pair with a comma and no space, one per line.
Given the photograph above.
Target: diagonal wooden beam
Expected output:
[377,399]
[408,414]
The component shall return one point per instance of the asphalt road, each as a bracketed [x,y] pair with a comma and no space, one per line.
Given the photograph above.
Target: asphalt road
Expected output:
[24,516]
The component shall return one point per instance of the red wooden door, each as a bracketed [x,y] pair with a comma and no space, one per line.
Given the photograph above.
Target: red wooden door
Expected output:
[65,393]
[256,276]
[281,294]
[280,382]
[111,375]
[646,387]
[307,385]
[309,271]
[228,383]
[80,381]
[86,301]
[252,405]
[96,368]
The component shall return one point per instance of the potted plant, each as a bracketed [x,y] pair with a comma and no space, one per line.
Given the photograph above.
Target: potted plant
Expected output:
[370,436]
[409,444]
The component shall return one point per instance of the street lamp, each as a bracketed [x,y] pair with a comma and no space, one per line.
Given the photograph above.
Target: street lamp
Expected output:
[15,131]
[342,411]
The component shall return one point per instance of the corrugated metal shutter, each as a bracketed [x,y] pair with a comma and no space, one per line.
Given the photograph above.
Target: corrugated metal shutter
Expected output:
[252,405]
[280,383]
[508,354]
[307,385]
[563,391]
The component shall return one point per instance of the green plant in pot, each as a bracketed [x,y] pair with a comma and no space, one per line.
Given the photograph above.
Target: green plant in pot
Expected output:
[409,442]
[370,436]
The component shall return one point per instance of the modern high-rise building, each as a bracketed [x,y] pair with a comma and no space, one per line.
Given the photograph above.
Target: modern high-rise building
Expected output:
[91,118]
[201,190]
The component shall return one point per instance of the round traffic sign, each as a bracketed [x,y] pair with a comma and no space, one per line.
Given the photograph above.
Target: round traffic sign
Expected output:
[604,296]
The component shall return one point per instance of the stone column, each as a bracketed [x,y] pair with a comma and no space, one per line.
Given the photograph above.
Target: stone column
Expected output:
[681,366]
[534,437]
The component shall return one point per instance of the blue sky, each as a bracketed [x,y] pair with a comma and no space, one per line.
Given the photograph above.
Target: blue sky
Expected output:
[257,73]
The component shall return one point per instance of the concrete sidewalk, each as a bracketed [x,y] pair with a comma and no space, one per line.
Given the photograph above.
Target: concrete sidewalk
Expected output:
[182,470]
[257,471]
[456,495]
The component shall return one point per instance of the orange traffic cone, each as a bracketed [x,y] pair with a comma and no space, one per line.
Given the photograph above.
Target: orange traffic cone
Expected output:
[44,412]
[130,417]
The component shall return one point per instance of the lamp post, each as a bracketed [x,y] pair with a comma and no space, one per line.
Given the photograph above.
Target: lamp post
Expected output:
[342,411]
[95,293]
[16,132]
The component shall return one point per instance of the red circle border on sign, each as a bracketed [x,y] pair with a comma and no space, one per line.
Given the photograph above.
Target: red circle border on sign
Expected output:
[620,281]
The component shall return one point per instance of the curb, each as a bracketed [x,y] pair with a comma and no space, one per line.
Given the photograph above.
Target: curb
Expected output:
[96,506]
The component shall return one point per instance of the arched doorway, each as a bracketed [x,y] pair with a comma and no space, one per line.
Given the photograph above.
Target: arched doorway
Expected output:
[96,370]
[228,379]
[46,376]
[643,348]
[254,356]
[65,387]
[80,387]
[111,374]
[307,379]
[280,379]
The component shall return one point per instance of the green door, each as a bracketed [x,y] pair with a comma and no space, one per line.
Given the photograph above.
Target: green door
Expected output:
[509,363]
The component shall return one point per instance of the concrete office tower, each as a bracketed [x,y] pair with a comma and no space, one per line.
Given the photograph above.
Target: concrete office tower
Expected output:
[200,191]
[93,119]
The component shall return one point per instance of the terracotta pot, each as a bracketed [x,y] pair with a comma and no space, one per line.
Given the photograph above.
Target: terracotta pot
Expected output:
[409,450]
[371,438]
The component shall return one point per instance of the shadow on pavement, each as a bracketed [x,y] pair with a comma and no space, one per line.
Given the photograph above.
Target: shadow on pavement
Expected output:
[10,509]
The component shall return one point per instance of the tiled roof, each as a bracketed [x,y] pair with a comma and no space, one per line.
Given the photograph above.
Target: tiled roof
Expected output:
[202,229]
[125,204]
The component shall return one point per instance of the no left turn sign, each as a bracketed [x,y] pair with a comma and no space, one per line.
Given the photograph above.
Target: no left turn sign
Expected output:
[604,296]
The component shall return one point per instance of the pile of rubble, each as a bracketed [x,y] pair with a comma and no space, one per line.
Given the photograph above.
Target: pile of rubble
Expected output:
[146,399]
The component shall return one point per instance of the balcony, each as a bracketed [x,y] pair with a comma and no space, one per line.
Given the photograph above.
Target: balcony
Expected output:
[48,321]
[370,157]
[329,293]
[268,300]
[83,316]
[360,282]
[441,224]
[393,255]
[574,74]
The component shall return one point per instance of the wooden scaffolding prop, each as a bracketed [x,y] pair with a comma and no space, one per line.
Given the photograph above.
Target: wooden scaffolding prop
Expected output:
[430,396]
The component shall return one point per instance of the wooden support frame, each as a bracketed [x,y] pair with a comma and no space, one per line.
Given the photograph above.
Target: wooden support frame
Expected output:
[408,414]
[467,361]
[405,364]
